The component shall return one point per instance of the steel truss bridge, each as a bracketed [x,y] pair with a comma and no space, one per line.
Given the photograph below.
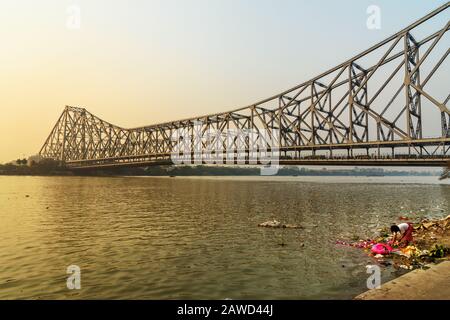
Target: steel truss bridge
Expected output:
[385,106]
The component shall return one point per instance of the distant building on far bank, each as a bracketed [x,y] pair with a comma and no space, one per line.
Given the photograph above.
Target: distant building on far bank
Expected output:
[34,159]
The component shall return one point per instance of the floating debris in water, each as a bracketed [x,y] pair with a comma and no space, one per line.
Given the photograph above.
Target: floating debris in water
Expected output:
[270,224]
[362,244]
[277,224]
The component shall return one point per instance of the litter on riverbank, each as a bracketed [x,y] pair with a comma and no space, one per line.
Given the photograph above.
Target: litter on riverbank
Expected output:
[431,244]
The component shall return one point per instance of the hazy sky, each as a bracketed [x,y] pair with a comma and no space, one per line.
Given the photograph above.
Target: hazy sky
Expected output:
[141,62]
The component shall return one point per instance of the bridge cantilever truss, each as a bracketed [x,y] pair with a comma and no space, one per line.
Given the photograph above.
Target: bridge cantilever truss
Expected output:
[383,106]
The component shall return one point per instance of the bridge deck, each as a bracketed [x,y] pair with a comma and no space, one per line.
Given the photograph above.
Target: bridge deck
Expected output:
[430,162]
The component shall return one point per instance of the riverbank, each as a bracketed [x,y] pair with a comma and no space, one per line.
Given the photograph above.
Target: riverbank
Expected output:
[431,255]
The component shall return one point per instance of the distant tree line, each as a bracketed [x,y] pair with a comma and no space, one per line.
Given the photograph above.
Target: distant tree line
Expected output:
[42,167]
[21,162]
[53,167]
[255,171]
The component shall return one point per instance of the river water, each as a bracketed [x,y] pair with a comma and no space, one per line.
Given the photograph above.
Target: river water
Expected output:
[197,238]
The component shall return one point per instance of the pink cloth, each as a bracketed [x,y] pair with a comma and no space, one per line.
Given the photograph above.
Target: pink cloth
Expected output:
[381,248]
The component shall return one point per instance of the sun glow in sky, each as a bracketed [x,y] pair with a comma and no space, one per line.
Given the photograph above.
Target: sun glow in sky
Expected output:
[139,62]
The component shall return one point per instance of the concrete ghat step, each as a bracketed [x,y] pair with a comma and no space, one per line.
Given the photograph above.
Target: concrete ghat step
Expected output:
[430,284]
